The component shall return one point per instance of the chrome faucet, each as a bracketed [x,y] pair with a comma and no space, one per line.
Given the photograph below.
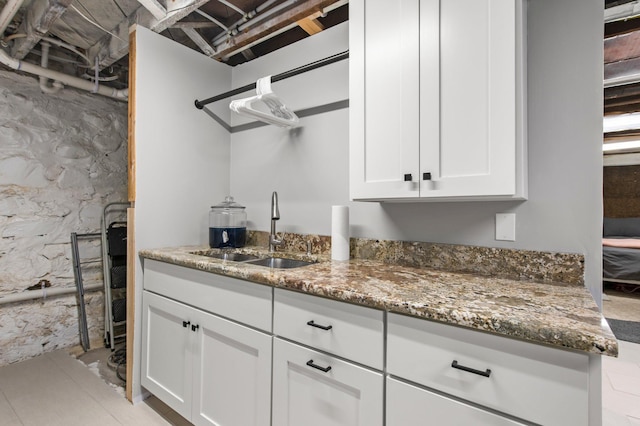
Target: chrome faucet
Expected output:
[275,215]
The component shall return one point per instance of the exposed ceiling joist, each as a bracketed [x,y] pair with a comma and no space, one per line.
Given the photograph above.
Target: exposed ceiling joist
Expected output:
[40,17]
[286,19]
[157,10]
[203,24]
[621,12]
[113,47]
[311,24]
[202,44]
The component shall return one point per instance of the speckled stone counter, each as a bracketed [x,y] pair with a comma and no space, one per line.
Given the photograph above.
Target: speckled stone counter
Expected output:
[556,314]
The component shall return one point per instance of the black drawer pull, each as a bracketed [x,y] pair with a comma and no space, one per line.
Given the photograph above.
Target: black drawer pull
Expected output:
[185,324]
[195,327]
[324,327]
[487,373]
[426,176]
[317,367]
[408,177]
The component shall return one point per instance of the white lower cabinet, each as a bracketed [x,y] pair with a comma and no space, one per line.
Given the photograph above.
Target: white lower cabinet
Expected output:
[210,370]
[314,389]
[410,405]
[536,383]
[320,362]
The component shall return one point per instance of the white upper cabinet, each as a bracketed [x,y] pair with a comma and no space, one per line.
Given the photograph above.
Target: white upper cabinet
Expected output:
[436,100]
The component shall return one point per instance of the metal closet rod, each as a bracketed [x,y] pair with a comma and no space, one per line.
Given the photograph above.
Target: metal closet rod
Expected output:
[282,76]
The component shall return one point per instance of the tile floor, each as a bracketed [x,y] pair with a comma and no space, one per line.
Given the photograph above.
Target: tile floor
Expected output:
[57,389]
[621,387]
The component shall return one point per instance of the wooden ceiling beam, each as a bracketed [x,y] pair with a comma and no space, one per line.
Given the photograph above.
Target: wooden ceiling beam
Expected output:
[622,47]
[621,91]
[622,108]
[311,25]
[111,48]
[39,19]
[300,10]
[195,36]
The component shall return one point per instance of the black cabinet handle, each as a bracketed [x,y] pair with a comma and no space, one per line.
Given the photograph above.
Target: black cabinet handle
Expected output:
[317,367]
[194,327]
[324,327]
[486,373]
[426,176]
[185,324]
[408,177]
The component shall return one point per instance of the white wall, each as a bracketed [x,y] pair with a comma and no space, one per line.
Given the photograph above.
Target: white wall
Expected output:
[182,155]
[309,166]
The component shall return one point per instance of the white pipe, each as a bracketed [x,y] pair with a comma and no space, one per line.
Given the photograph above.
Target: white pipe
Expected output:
[69,80]
[622,80]
[232,6]
[45,293]
[44,81]
[8,12]
[252,14]
[58,43]
[212,19]
[223,39]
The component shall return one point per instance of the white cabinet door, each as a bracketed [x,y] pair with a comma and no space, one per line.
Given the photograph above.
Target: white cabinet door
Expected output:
[471,132]
[410,405]
[167,351]
[313,389]
[436,100]
[232,370]
[384,98]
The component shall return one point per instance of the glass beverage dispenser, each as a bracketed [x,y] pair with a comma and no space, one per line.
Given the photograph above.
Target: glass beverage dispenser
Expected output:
[227,225]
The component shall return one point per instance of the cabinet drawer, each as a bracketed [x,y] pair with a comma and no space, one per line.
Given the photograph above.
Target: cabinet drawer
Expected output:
[232,298]
[354,332]
[407,403]
[537,383]
[314,389]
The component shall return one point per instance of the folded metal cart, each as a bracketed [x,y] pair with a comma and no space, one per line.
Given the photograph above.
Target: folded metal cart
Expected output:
[114,256]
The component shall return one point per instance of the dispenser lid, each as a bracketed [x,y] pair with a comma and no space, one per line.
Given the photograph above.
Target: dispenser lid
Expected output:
[228,203]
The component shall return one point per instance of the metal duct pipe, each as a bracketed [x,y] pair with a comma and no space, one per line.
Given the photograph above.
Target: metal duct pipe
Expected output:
[78,83]
[8,12]
[46,293]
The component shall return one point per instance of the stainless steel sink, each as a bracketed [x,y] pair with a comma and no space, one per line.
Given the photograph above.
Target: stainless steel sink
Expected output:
[280,263]
[233,257]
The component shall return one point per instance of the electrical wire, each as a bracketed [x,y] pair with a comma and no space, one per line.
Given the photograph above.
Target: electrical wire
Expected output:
[96,24]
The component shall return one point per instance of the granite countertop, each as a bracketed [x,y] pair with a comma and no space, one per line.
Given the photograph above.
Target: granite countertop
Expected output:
[555,314]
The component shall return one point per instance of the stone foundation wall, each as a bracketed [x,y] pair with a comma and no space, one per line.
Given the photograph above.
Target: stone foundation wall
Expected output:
[62,158]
